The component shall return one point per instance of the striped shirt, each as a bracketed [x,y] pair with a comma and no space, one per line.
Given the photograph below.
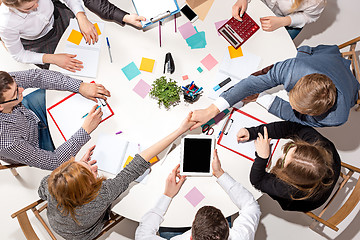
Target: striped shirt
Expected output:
[19,140]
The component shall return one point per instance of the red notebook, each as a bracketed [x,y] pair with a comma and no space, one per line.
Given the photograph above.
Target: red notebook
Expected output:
[236,32]
[237,120]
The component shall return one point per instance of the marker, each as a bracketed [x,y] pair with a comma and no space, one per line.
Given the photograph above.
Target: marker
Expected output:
[188,89]
[118,132]
[95,110]
[223,83]
[108,44]
[199,89]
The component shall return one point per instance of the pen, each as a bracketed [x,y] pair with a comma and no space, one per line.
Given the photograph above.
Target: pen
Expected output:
[199,89]
[88,113]
[223,83]
[160,32]
[108,44]
[118,132]
[185,88]
[103,103]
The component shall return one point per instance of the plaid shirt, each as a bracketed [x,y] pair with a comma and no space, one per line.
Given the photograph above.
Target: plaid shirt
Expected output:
[19,140]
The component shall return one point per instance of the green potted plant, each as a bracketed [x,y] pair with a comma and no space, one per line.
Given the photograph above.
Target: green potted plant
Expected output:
[166,92]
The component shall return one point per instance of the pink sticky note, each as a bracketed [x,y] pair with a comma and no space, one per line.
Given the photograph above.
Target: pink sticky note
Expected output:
[194,196]
[185,77]
[142,88]
[187,30]
[209,62]
[219,24]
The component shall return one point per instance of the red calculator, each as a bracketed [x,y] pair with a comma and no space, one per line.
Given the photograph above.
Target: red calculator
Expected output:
[236,32]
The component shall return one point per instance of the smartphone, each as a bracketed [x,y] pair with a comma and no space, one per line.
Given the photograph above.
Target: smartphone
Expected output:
[189,13]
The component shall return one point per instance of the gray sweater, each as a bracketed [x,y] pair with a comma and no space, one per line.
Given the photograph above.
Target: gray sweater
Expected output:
[93,215]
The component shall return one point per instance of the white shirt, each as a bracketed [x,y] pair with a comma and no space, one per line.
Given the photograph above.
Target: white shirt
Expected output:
[309,10]
[244,226]
[33,25]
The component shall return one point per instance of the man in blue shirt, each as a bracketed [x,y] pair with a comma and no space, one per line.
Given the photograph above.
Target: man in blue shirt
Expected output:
[321,87]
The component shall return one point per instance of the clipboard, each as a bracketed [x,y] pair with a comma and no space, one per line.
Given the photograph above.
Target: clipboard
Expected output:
[239,119]
[68,119]
[155,10]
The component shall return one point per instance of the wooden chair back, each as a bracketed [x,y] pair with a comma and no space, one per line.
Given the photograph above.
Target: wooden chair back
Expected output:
[12,167]
[39,206]
[351,55]
[346,207]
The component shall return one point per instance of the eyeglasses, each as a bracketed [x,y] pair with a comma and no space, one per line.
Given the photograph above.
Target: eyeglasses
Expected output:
[12,100]
[287,150]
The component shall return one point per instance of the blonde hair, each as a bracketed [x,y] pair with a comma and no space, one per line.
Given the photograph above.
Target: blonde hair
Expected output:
[296,5]
[313,94]
[310,169]
[73,185]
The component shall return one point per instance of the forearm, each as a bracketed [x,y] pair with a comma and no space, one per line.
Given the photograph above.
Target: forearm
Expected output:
[106,10]
[258,172]
[75,6]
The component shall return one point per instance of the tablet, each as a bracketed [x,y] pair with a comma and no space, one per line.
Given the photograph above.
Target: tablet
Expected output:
[196,155]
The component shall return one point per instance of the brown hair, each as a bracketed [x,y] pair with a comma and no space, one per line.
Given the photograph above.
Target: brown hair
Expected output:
[5,81]
[313,94]
[14,3]
[209,224]
[310,168]
[296,5]
[73,185]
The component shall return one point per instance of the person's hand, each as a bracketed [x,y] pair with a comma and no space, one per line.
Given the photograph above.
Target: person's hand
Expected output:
[87,159]
[187,123]
[251,98]
[87,29]
[272,23]
[201,116]
[262,145]
[216,165]
[134,19]
[243,135]
[172,186]
[93,91]
[63,60]
[93,119]
[239,8]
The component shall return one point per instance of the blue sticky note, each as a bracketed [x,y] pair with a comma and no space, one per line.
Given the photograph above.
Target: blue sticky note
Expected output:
[199,69]
[197,40]
[131,71]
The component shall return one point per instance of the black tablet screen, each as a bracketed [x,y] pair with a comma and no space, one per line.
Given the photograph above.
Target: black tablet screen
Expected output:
[197,153]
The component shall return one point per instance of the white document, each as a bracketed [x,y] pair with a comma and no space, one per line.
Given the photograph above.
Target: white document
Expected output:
[87,53]
[154,8]
[235,123]
[68,114]
[113,153]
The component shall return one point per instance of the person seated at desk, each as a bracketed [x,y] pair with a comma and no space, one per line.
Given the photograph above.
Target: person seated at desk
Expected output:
[79,201]
[209,222]
[24,133]
[321,87]
[31,30]
[108,11]
[304,177]
[293,15]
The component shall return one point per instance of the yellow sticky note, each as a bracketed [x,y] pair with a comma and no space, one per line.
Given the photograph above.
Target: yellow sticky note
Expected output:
[154,159]
[147,64]
[97,29]
[128,160]
[234,53]
[75,37]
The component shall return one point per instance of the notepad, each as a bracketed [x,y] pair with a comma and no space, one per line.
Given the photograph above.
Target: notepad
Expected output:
[147,64]
[113,153]
[142,88]
[194,196]
[88,54]
[68,113]
[131,71]
[209,62]
[187,30]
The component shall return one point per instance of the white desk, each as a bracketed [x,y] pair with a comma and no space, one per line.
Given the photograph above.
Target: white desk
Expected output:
[142,119]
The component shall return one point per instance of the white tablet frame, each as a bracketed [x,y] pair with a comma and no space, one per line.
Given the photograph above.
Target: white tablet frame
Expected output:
[213,140]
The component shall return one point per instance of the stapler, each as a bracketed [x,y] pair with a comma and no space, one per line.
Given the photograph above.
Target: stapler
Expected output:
[169,65]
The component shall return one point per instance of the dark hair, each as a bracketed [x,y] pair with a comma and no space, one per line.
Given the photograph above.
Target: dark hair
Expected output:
[313,94]
[210,224]
[310,169]
[5,81]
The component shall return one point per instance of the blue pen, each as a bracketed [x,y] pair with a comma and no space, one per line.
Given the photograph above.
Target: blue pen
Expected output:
[88,113]
[107,40]
[199,89]
[187,89]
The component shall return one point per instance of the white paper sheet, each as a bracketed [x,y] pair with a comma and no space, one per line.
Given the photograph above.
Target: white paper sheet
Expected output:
[68,114]
[240,121]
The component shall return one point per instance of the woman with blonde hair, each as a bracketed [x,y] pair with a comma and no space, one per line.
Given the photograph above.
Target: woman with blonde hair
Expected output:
[79,201]
[304,177]
[290,14]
